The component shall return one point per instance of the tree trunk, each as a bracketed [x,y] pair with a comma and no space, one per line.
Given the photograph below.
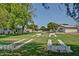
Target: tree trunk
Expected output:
[23,28]
[13,31]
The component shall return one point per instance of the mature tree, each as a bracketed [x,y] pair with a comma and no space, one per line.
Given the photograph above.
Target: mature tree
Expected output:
[72,10]
[36,27]
[22,14]
[43,28]
[52,25]
[3,16]
[12,15]
[32,26]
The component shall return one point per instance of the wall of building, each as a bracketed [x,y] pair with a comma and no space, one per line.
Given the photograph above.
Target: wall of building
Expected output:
[70,30]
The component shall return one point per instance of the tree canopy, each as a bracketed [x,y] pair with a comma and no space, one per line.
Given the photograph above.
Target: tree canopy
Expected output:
[33,26]
[52,25]
[43,28]
[12,15]
[72,10]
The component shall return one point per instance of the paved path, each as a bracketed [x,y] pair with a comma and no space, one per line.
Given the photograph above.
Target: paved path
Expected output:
[33,35]
[52,34]
[61,42]
[17,47]
[58,48]
[49,44]
[19,41]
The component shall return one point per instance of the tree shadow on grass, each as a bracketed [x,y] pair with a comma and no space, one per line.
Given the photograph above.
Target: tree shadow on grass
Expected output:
[75,49]
[33,49]
[8,35]
[30,49]
[38,49]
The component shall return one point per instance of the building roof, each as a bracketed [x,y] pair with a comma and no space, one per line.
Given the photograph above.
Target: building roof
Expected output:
[70,26]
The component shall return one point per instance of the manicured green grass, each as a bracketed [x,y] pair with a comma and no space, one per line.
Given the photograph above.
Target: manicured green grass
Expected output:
[8,39]
[73,41]
[70,40]
[39,44]
[36,47]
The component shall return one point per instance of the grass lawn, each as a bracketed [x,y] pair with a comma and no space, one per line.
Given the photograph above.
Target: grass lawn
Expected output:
[8,39]
[39,44]
[70,40]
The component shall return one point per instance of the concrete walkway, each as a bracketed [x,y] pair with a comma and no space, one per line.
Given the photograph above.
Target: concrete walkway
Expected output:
[52,34]
[33,35]
[62,48]
[62,43]
[19,41]
[17,47]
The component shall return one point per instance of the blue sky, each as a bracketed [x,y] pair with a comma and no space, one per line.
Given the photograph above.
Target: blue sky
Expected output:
[54,14]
